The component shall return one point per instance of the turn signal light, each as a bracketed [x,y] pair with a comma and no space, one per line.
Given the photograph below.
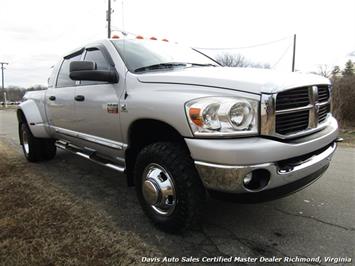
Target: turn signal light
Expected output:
[195,116]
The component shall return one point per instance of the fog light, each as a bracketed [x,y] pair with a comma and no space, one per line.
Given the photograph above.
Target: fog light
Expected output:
[247,179]
[256,180]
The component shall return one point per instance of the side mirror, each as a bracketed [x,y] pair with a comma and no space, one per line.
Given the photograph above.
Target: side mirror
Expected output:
[86,70]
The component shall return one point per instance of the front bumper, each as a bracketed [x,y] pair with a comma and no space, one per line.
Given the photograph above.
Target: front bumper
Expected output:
[289,166]
[230,178]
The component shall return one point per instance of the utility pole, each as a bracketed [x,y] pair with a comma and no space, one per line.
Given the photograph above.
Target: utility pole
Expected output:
[2,80]
[5,99]
[2,73]
[108,19]
[294,53]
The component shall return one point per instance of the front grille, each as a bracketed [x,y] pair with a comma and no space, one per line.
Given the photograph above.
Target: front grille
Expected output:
[296,121]
[295,112]
[292,98]
[296,109]
[323,93]
[323,97]
[292,122]
[323,112]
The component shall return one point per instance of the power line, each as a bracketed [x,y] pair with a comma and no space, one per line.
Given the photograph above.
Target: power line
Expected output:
[246,47]
[124,32]
[282,56]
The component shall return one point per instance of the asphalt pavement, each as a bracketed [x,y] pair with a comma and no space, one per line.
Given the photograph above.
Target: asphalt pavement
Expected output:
[317,221]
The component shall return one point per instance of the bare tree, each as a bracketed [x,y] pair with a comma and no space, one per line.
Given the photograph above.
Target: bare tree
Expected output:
[237,60]
[231,60]
[343,95]
[36,87]
[336,72]
[324,70]
[15,93]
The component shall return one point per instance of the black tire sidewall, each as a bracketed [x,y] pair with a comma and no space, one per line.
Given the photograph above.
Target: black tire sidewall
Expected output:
[23,128]
[188,187]
[39,149]
[49,150]
[33,154]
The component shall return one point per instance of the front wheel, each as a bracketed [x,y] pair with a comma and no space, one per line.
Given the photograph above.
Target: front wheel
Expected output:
[168,186]
[35,149]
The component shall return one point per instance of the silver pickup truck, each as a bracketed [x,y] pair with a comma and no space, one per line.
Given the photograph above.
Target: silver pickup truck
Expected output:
[180,126]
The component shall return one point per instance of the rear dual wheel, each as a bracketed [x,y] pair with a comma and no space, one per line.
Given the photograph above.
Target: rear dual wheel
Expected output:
[35,149]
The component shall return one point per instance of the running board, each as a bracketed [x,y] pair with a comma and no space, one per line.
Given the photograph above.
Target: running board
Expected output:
[88,155]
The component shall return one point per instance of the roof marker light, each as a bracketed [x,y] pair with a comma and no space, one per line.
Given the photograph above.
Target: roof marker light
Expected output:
[115,36]
[153,38]
[140,37]
[165,40]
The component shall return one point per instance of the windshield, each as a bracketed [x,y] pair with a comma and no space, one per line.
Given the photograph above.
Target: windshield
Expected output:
[140,54]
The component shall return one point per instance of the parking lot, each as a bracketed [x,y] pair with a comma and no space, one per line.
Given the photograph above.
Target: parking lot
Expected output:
[317,221]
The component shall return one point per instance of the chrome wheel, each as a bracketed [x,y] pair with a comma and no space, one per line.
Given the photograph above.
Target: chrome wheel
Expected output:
[158,189]
[25,144]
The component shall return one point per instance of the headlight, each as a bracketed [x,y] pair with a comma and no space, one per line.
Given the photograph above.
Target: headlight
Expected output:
[223,116]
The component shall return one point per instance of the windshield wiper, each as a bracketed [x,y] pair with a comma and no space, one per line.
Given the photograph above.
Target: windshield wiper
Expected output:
[159,66]
[197,64]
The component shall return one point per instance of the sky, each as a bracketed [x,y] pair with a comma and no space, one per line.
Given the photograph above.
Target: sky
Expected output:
[35,34]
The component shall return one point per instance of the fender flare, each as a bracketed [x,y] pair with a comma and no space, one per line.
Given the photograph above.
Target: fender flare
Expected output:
[36,121]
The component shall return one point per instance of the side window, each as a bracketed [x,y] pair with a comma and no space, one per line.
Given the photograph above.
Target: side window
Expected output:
[51,79]
[63,79]
[101,63]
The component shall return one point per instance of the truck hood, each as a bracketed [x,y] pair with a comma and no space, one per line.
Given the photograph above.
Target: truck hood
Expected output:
[241,79]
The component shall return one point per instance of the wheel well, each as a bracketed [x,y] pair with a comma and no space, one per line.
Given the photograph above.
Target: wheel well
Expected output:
[144,132]
[21,118]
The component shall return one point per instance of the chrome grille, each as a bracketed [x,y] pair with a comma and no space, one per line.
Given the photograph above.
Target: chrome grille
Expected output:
[292,98]
[323,93]
[323,112]
[323,98]
[292,122]
[296,121]
[295,112]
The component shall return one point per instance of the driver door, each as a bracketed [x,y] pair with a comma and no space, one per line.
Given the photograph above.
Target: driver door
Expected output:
[97,116]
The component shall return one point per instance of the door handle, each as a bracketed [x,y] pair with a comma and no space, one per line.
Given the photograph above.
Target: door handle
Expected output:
[79,98]
[52,98]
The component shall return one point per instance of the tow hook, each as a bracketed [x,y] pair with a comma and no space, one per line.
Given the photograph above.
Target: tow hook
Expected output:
[339,139]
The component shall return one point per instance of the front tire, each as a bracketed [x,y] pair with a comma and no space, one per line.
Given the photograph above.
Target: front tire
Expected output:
[168,186]
[35,149]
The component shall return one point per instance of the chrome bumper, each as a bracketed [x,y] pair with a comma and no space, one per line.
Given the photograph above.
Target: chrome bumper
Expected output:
[226,178]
